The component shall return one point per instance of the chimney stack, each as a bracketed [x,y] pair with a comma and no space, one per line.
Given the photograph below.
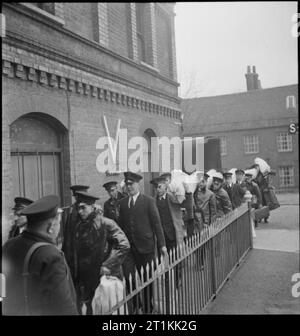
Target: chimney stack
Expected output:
[252,81]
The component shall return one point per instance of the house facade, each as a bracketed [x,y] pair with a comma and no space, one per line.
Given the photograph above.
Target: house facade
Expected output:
[255,123]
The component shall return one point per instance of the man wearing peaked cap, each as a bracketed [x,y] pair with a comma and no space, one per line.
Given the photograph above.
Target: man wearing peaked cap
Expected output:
[112,205]
[19,221]
[69,221]
[21,203]
[79,187]
[99,249]
[223,203]
[139,218]
[228,187]
[131,177]
[238,189]
[50,289]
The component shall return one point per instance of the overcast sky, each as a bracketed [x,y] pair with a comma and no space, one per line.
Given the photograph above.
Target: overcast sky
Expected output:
[216,41]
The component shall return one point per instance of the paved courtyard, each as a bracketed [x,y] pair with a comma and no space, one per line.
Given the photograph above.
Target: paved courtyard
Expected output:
[262,284]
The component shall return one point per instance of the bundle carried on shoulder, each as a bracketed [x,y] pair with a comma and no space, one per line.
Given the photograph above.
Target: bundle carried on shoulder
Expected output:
[263,166]
[182,183]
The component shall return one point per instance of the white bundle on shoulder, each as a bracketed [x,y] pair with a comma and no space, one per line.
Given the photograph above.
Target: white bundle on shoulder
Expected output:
[232,171]
[109,292]
[263,166]
[177,178]
[182,183]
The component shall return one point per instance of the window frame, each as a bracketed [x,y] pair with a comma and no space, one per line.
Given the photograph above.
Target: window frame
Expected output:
[254,144]
[281,143]
[283,176]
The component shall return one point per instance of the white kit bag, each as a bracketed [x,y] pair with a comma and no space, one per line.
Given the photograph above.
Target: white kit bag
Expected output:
[108,293]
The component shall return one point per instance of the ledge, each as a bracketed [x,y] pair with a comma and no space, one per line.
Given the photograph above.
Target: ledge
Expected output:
[44,13]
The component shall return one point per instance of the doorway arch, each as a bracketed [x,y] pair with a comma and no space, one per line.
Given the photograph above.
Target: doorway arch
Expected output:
[37,142]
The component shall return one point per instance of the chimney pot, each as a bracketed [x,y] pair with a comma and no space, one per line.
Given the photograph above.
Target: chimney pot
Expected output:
[253,69]
[248,69]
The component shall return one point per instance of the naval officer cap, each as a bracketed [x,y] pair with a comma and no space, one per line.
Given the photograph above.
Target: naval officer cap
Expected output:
[21,203]
[44,208]
[166,175]
[85,197]
[239,171]
[109,185]
[131,177]
[157,180]
[79,187]
[227,174]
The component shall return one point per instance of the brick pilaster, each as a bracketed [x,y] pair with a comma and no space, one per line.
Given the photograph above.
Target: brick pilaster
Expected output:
[59,10]
[103,24]
[133,37]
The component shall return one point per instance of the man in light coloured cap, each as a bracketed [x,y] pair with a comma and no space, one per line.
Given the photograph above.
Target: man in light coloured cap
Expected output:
[49,289]
[100,247]
[224,205]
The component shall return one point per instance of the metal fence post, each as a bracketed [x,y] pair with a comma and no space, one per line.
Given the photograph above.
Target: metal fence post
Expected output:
[213,266]
[250,224]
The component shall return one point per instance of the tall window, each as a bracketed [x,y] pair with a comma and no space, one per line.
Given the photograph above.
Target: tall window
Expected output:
[290,102]
[140,30]
[223,144]
[286,176]
[284,142]
[251,144]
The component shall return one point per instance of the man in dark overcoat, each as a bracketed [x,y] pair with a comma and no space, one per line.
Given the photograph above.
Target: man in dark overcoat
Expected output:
[46,288]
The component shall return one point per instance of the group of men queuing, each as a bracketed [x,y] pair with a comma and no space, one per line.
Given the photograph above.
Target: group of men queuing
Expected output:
[128,235]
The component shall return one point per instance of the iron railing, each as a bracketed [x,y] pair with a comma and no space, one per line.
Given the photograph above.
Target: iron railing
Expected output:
[194,272]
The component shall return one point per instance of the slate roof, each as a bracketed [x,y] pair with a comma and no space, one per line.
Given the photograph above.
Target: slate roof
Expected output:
[251,109]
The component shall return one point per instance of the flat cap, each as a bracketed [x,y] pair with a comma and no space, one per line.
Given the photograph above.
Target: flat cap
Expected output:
[21,203]
[248,172]
[239,171]
[218,176]
[110,184]
[44,208]
[85,197]
[132,177]
[79,187]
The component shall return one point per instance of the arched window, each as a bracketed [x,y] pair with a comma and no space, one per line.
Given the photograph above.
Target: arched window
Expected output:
[36,157]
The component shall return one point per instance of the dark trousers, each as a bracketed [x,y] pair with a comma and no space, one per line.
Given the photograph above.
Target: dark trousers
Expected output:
[134,261]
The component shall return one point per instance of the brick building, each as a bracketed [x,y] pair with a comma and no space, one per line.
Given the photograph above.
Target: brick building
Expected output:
[64,67]
[251,124]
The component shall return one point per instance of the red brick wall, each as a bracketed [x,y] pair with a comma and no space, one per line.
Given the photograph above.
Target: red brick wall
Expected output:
[117,28]
[81,18]
[163,32]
